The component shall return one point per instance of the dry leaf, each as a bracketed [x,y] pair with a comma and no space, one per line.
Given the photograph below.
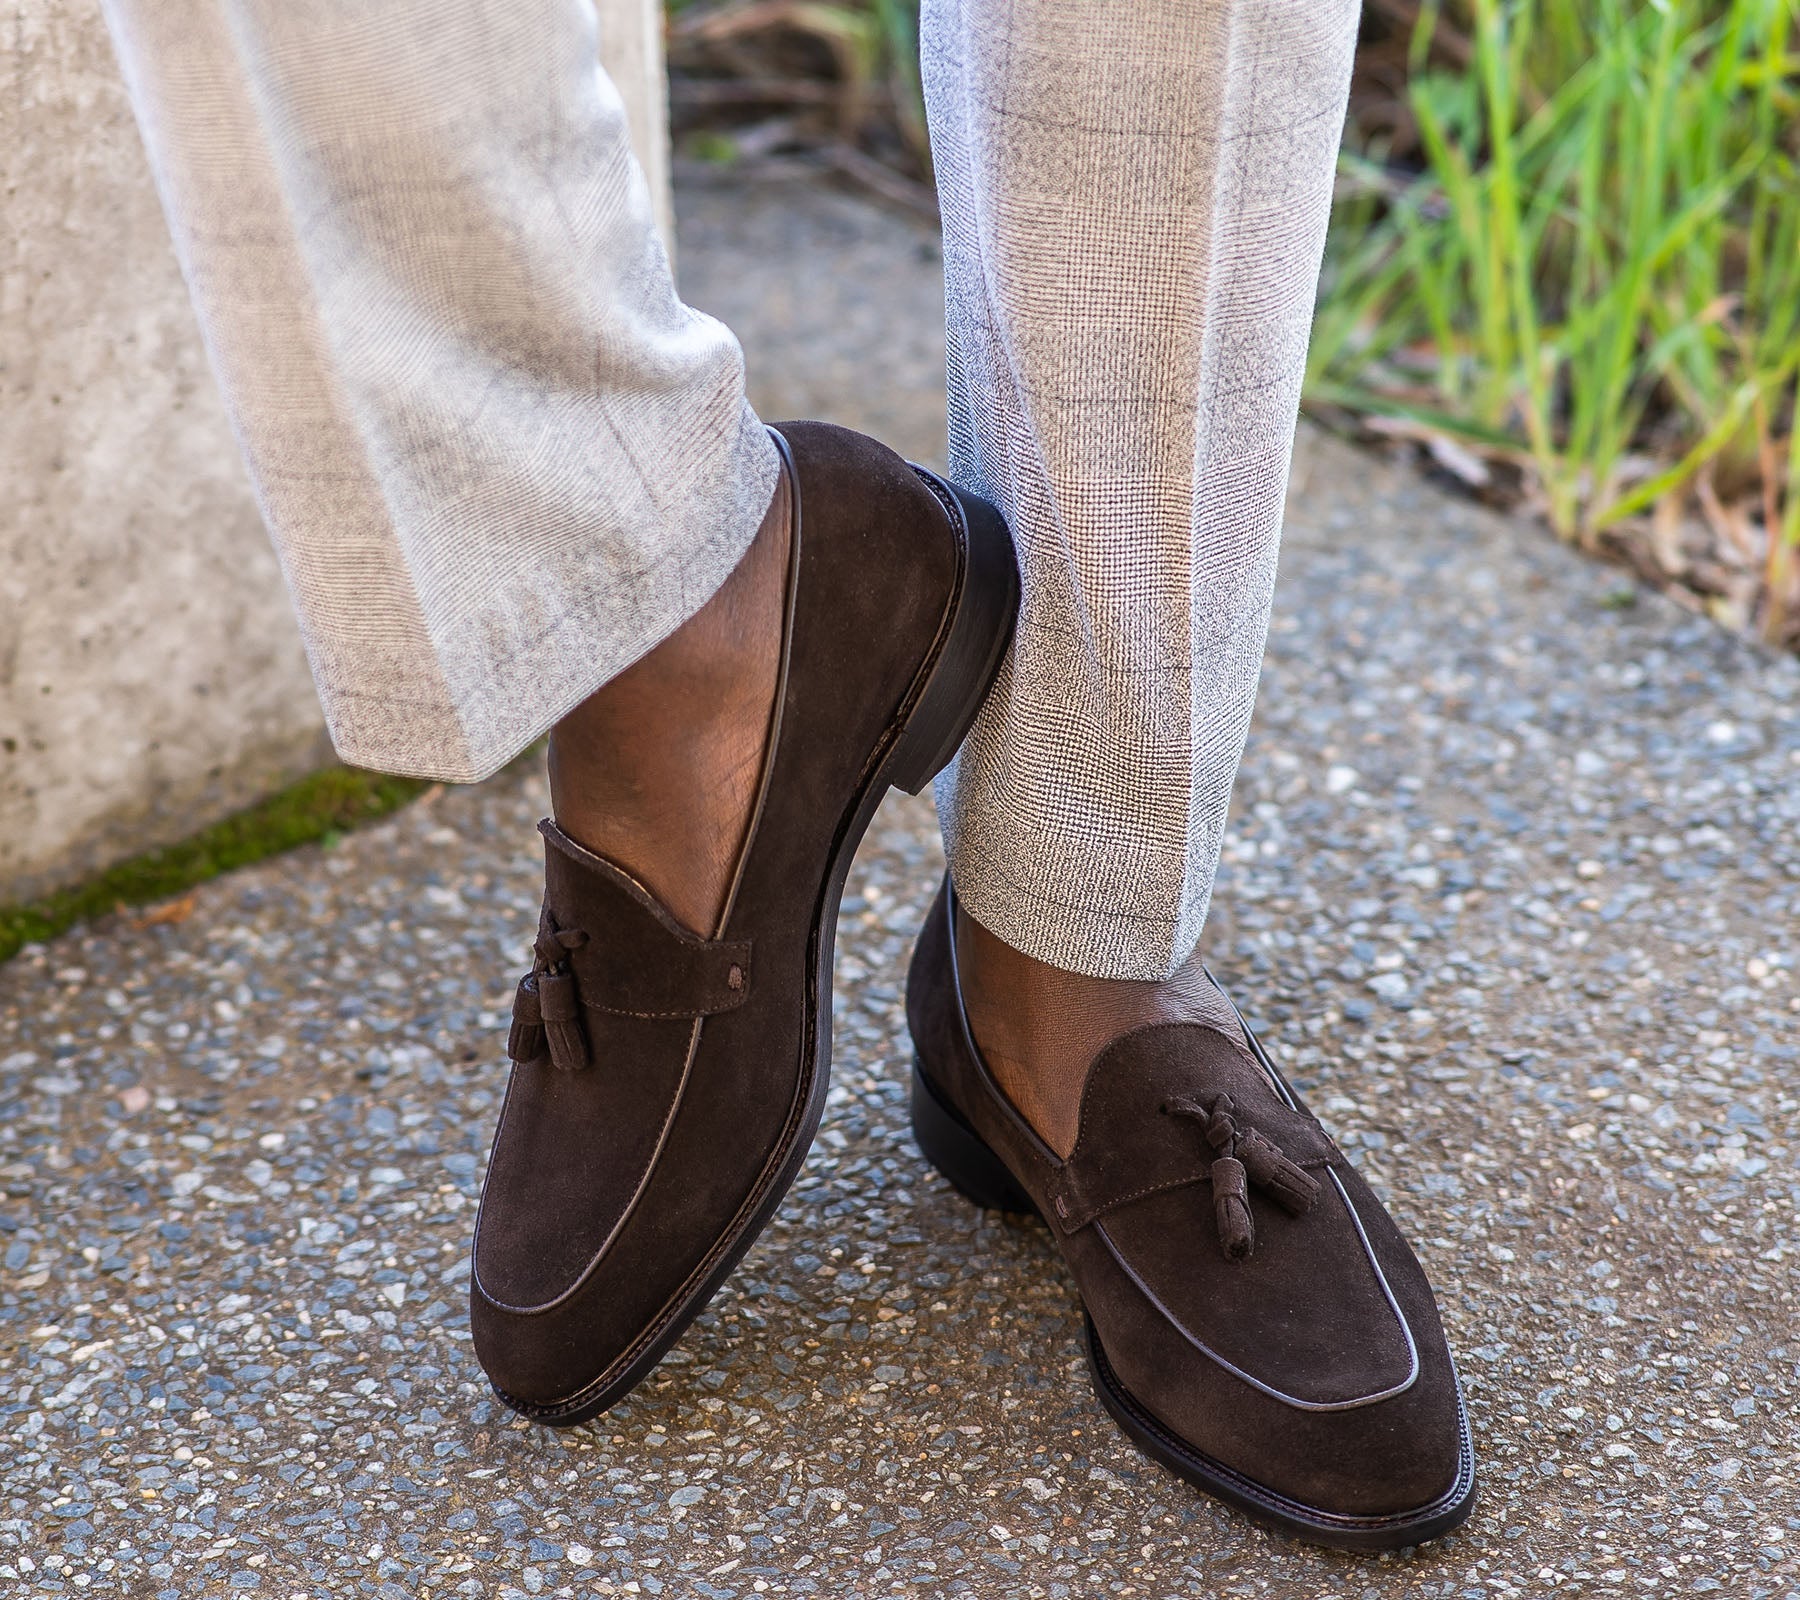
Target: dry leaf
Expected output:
[170,911]
[1456,458]
[1730,523]
[1665,534]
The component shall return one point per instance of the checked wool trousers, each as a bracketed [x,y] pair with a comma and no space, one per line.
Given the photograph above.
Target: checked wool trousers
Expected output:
[501,460]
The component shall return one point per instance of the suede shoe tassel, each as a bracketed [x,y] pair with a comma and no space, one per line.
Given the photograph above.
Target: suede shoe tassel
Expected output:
[546,1008]
[1293,1188]
[1231,1208]
[561,1011]
[1242,1156]
[525,1042]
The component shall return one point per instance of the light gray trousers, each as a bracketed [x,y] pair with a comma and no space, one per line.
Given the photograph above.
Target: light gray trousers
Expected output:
[501,460]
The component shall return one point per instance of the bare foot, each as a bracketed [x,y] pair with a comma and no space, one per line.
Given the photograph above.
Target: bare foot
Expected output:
[658,771]
[1039,1028]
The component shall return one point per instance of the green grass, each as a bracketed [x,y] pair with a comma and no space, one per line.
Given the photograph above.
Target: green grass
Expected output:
[1598,266]
[315,810]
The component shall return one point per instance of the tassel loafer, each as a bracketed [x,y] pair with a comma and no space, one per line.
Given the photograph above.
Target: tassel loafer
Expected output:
[667,1081]
[1253,1319]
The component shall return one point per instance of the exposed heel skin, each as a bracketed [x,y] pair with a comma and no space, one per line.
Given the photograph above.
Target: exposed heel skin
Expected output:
[956,1150]
[980,631]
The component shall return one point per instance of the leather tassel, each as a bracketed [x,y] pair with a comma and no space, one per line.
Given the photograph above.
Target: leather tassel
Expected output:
[1231,1208]
[526,1040]
[561,1013]
[1293,1188]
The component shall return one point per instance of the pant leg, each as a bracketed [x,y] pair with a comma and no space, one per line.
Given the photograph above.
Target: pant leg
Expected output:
[1135,199]
[500,459]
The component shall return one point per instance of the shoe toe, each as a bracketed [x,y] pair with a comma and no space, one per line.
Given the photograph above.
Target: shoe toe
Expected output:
[536,1363]
[1313,1371]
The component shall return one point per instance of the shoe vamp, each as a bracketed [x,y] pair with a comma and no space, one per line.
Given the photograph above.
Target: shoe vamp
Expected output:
[571,1155]
[1308,1314]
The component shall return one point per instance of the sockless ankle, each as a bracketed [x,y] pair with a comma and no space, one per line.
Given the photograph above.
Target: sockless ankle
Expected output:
[658,771]
[1039,1028]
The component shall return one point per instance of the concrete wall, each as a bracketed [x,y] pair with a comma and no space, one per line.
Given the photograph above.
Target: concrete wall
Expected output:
[631,50]
[151,678]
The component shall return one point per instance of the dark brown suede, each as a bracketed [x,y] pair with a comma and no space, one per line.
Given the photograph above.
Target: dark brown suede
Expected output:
[1256,1321]
[667,1084]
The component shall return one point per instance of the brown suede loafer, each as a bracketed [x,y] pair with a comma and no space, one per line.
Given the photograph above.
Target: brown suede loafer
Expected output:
[1255,1322]
[666,1084]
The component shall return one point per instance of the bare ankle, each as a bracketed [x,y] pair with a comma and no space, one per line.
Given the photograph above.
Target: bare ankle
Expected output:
[658,770]
[1040,1027]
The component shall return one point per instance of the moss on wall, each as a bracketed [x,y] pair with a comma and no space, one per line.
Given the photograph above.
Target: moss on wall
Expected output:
[317,808]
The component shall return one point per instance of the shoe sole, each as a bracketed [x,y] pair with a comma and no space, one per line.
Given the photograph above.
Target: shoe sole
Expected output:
[929,725]
[972,1168]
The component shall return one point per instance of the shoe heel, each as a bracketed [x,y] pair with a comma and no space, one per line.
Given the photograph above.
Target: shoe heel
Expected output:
[980,631]
[957,1151]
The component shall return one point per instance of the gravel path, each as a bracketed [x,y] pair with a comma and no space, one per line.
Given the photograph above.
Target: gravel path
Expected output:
[1514,883]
